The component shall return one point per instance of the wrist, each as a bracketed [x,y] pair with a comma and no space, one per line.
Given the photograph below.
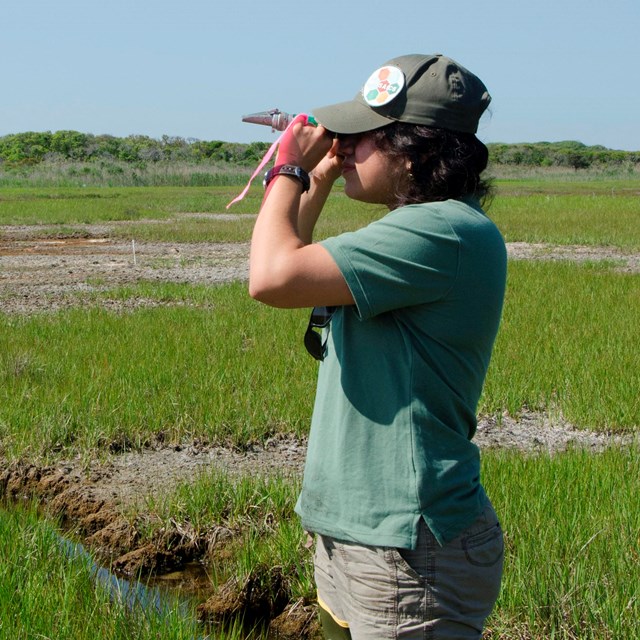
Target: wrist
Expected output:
[290,170]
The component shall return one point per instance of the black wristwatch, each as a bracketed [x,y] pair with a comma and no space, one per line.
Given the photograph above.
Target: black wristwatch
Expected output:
[288,170]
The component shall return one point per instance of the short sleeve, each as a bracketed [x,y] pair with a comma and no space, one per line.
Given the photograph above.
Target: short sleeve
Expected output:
[409,257]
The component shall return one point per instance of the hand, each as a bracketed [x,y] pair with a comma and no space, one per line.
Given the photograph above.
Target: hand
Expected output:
[329,169]
[304,145]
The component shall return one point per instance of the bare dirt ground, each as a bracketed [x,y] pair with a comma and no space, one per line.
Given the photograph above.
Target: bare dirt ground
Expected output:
[40,273]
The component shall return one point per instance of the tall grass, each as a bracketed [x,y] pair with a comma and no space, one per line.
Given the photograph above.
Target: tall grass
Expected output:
[44,593]
[609,219]
[111,173]
[567,345]
[114,173]
[572,568]
[212,363]
[563,175]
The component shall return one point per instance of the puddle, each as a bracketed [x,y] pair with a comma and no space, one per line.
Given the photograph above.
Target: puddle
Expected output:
[192,581]
[178,592]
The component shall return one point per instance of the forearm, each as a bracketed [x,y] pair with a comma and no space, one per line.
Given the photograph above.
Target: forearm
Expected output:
[275,236]
[285,222]
[311,205]
[285,268]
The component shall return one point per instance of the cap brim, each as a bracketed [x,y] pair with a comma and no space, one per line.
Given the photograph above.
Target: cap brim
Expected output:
[349,117]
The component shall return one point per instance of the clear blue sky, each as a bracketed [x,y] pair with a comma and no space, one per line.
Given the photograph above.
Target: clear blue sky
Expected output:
[557,69]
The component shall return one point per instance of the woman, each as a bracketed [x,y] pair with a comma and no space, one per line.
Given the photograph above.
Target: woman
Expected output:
[406,313]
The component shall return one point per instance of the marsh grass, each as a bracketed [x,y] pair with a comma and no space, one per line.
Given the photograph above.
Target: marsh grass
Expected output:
[571,559]
[572,564]
[232,501]
[66,206]
[604,212]
[563,175]
[260,510]
[606,219]
[44,593]
[190,229]
[93,379]
[209,362]
[196,214]
[105,174]
[571,523]
[566,345]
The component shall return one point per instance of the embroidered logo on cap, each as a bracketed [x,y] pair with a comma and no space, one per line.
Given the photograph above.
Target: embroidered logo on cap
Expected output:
[383,86]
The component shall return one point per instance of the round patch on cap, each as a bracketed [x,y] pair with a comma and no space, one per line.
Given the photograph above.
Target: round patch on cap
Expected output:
[383,86]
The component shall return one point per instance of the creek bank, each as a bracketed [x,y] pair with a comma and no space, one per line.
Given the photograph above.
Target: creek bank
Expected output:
[93,500]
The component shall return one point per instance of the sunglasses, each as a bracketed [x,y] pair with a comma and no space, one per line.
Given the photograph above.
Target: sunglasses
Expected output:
[320,318]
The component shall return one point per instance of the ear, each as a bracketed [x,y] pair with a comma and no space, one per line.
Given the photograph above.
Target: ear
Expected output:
[408,165]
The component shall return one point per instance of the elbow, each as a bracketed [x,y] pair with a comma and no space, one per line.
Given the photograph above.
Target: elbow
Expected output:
[258,292]
[256,289]
[268,289]
[276,281]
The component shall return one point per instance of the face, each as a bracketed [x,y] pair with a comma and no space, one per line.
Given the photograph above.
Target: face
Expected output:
[369,174]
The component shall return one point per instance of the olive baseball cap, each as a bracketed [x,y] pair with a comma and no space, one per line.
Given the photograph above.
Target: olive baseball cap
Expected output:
[420,89]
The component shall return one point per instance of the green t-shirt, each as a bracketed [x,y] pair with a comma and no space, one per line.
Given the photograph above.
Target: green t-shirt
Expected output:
[398,389]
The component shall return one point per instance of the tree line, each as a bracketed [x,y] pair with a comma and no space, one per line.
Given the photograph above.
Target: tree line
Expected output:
[30,148]
[568,153]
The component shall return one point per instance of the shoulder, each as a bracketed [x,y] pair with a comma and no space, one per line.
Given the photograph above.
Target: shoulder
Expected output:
[432,213]
[449,218]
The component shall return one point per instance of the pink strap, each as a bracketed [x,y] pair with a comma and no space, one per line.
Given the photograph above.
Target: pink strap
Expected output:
[301,117]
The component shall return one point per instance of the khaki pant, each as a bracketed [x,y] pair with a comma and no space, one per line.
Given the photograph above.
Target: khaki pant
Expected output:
[431,592]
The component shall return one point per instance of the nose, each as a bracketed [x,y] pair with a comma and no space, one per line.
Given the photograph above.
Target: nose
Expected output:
[346,143]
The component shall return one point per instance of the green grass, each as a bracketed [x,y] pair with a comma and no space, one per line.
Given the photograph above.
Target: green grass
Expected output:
[190,229]
[572,564]
[46,594]
[567,344]
[571,524]
[208,362]
[227,370]
[105,173]
[571,561]
[604,212]
[260,511]
[175,210]
[609,219]
[93,205]
[232,501]
[211,363]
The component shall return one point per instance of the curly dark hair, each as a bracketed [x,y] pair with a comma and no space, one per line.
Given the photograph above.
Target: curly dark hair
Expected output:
[444,164]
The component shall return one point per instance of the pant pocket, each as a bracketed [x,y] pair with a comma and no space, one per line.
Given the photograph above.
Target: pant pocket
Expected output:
[485,548]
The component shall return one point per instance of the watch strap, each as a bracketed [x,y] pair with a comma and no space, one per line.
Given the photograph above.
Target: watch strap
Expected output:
[288,170]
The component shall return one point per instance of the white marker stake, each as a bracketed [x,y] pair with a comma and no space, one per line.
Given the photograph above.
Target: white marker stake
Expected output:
[133,246]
